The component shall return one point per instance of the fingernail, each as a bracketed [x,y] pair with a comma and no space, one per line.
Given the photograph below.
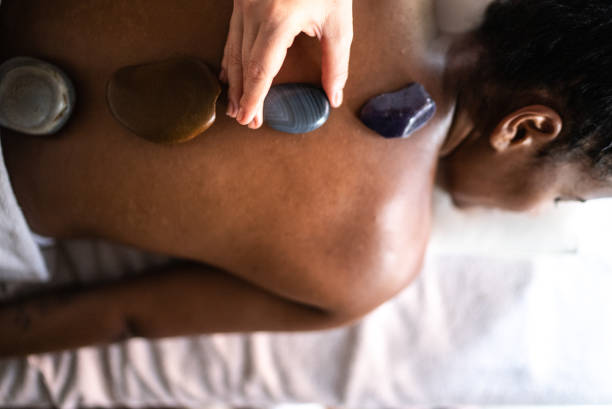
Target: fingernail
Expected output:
[256,122]
[337,99]
[240,117]
[231,110]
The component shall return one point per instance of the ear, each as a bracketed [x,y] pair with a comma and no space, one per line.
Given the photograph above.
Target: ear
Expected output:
[529,126]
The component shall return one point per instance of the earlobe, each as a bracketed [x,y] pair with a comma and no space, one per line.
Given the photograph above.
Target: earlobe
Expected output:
[531,125]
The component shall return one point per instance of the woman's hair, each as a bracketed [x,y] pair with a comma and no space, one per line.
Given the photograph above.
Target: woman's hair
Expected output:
[563,47]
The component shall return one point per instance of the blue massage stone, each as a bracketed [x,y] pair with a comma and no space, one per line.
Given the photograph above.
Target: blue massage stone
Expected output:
[398,114]
[295,108]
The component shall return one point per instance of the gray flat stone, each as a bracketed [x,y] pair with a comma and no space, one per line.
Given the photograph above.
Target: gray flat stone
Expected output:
[36,97]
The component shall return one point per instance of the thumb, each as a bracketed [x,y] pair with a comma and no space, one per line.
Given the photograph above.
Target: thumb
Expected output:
[336,47]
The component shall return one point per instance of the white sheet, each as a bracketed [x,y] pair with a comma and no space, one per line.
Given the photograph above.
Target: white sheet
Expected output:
[20,258]
[22,384]
[472,330]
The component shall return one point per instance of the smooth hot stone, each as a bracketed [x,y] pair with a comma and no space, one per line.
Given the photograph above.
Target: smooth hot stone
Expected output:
[166,102]
[295,108]
[36,97]
[398,114]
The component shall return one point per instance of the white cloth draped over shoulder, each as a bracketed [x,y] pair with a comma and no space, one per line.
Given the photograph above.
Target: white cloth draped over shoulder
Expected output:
[20,256]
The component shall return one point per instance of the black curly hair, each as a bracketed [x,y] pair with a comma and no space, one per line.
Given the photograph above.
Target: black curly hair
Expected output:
[565,48]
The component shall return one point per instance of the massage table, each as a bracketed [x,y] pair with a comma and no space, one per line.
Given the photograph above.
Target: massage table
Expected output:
[509,309]
[523,320]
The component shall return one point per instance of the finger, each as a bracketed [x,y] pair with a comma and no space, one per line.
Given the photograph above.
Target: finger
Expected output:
[259,113]
[248,40]
[223,73]
[258,118]
[269,52]
[249,34]
[234,63]
[336,47]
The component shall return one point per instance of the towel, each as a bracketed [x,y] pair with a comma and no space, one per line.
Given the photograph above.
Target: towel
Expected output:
[20,256]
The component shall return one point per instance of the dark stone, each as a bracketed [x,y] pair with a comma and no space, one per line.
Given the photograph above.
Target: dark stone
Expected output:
[36,98]
[170,101]
[295,108]
[398,114]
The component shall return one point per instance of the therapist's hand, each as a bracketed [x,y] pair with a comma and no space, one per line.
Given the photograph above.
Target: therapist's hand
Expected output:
[260,33]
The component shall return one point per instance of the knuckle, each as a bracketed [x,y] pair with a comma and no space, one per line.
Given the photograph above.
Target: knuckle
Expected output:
[279,33]
[255,71]
[276,15]
[234,56]
[272,26]
[276,23]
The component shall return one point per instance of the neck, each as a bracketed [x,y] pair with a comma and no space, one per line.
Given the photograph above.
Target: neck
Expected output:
[460,61]
[442,65]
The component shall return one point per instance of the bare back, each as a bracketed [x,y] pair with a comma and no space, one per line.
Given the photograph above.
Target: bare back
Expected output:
[232,196]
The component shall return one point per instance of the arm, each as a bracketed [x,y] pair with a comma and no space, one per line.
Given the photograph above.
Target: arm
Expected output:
[180,300]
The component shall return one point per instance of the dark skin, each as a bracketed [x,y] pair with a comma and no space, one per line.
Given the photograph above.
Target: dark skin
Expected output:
[282,232]
[278,232]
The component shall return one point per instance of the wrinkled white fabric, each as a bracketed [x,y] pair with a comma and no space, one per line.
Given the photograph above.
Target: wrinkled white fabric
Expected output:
[22,384]
[471,330]
[20,257]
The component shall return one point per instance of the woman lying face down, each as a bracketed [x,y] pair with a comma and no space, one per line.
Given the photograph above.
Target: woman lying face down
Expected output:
[536,122]
[279,232]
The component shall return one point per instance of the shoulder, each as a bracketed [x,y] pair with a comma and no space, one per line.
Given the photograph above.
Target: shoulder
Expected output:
[354,245]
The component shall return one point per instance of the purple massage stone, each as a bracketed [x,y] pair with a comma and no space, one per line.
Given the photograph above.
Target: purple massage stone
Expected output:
[398,114]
